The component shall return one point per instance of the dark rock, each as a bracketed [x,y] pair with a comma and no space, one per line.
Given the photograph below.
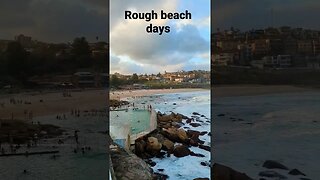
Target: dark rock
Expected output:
[161,170]
[140,147]
[272,174]
[221,172]
[273,165]
[195,124]
[153,146]
[174,104]
[181,151]
[203,116]
[193,142]
[204,164]
[209,134]
[195,113]
[168,145]
[192,133]
[171,134]
[203,133]
[151,163]
[161,155]
[207,148]
[160,176]
[188,121]
[196,154]
[296,172]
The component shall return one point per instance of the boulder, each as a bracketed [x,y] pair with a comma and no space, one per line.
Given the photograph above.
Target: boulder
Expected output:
[181,151]
[272,174]
[192,133]
[197,154]
[222,172]
[188,121]
[140,147]
[204,147]
[182,135]
[296,172]
[193,142]
[203,133]
[168,145]
[270,164]
[204,164]
[195,124]
[153,146]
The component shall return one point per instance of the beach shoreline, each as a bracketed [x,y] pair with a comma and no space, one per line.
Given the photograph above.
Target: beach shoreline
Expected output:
[53,103]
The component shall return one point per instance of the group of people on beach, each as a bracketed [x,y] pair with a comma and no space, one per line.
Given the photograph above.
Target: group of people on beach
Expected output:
[18,101]
[92,112]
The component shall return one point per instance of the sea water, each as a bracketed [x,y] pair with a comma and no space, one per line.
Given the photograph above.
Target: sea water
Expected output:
[280,127]
[67,165]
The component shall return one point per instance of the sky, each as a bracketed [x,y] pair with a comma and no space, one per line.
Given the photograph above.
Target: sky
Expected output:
[54,20]
[248,14]
[185,47]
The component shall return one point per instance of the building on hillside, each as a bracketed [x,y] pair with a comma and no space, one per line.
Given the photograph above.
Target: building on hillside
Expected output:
[222,59]
[25,41]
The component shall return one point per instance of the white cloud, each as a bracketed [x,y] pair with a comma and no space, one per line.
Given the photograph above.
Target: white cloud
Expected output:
[153,52]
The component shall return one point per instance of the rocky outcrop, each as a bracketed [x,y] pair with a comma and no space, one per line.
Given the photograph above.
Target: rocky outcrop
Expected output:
[296,172]
[272,174]
[270,164]
[181,151]
[128,166]
[222,172]
[153,146]
[168,145]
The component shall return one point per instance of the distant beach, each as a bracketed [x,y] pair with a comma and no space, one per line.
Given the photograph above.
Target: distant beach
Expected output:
[147,92]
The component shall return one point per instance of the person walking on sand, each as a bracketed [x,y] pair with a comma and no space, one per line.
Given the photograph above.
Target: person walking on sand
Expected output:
[76,136]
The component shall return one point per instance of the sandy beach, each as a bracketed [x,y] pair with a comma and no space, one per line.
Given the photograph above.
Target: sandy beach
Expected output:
[42,104]
[147,92]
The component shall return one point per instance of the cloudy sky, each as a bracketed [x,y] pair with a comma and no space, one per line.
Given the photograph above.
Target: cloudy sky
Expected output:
[54,20]
[248,14]
[186,47]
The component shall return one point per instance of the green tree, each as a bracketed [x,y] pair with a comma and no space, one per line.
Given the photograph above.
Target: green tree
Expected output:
[81,51]
[115,81]
[16,61]
[135,78]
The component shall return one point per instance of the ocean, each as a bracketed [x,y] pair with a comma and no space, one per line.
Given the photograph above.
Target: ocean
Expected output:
[67,164]
[280,127]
